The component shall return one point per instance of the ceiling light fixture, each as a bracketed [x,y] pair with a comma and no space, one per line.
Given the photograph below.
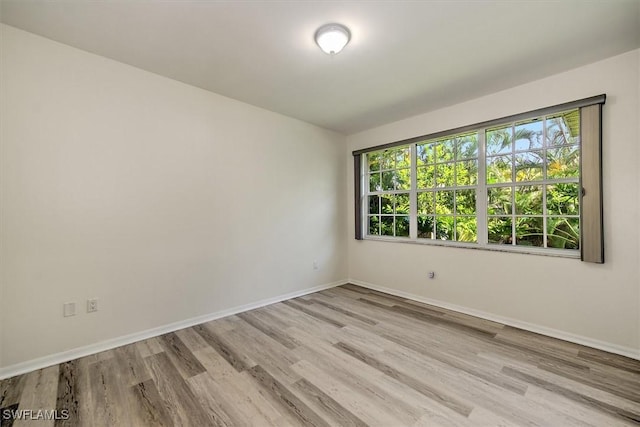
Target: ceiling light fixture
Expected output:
[332,38]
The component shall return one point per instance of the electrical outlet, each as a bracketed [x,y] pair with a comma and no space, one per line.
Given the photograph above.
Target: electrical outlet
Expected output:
[92,305]
[432,275]
[69,309]
[316,266]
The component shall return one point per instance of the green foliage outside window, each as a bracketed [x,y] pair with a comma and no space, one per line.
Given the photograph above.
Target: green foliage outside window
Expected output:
[531,176]
[542,150]
[445,167]
[389,173]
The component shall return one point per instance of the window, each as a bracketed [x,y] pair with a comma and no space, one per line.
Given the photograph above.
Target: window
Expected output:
[389,178]
[447,171]
[533,171]
[511,184]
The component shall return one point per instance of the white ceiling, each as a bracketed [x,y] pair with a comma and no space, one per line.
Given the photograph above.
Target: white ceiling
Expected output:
[405,57]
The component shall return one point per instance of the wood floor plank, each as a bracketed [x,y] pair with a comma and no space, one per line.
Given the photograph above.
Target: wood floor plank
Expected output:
[382,316]
[266,352]
[150,407]
[11,390]
[470,367]
[148,347]
[383,297]
[314,313]
[238,361]
[612,360]
[528,353]
[305,415]
[367,297]
[206,391]
[192,340]
[349,313]
[434,332]
[449,401]
[302,300]
[252,406]
[541,342]
[479,396]
[339,315]
[39,393]
[325,404]
[543,354]
[365,338]
[262,323]
[378,400]
[131,366]
[589,416]
[388,395]
[104,355]
[180,355]
[348,394]
[424,308]
[180,402]
[295,318]
[463,318]
[84,385]
[264,315]
[514,407]
[431,319]
[444,378]
[617,386]
[223,325]
[68,393]
[563,382]
[355,288]
[484,417]
[109,406]
[618,412]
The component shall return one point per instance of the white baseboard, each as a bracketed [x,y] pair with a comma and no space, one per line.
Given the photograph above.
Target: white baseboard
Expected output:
[65,356]
[555,333]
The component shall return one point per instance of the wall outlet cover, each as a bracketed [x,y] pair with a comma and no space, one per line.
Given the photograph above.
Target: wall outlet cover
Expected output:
[69,309]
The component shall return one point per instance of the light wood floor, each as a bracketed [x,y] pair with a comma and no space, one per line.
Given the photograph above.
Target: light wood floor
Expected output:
[347,356]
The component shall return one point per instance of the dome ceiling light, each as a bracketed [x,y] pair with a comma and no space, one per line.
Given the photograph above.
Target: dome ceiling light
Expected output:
[332,38]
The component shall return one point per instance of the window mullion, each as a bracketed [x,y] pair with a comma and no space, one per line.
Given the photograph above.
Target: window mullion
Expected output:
[413,194]
[544,185]
[513,186]
[481,190]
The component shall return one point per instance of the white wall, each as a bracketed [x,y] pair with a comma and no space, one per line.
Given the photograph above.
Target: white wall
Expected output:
[600,303]
[162,200]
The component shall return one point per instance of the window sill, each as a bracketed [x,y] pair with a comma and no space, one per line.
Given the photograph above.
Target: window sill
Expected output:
[528,250]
